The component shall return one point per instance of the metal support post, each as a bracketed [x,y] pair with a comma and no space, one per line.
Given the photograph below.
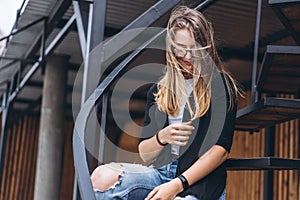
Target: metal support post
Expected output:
[92,69]
[269,151]
[3,136]
[80,27]
[103,128]
[43,44]
[254,94]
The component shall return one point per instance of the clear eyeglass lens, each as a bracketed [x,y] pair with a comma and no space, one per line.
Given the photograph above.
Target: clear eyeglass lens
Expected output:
[181,52]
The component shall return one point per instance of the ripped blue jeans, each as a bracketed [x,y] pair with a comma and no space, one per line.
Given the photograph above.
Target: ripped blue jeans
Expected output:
[137,181]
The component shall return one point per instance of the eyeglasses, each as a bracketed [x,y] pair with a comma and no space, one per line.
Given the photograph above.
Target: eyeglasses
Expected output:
[182,52]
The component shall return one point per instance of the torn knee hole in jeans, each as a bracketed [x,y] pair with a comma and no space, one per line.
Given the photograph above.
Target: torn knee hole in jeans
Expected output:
[118,182]
[121,174]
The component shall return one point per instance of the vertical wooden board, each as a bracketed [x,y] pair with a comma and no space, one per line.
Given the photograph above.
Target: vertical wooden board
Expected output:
[252,174]
[257,177]
[35,136]
[10,164]
[276,189]
[247,177]
[286,155]
[16,158]
[21,159]
[260,175]
[290,192]
[5,172]
[280,174]
[29,144]
[24,182]
[297,173]
[68,166]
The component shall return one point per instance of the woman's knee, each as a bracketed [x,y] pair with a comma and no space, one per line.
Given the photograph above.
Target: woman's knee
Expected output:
[104,177]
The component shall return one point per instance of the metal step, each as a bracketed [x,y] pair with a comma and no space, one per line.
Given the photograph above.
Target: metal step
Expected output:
[280,70]
[264,163]
[267,112]
[288,13]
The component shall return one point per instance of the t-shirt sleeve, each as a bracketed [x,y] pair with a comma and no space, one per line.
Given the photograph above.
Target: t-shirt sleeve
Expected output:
[149,128]
[226,137]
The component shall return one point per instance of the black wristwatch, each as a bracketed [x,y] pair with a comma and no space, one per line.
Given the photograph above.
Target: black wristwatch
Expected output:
[184,182]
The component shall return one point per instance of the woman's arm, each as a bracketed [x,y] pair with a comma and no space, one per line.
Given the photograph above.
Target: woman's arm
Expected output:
[208,162]
[149,149]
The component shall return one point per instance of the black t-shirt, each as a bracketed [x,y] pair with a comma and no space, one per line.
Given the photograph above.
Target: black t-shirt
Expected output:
[211,186]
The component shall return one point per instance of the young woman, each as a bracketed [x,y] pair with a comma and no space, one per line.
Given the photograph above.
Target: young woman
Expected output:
[176,121]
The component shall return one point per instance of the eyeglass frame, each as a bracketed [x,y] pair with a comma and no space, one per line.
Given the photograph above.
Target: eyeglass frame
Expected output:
[173,50]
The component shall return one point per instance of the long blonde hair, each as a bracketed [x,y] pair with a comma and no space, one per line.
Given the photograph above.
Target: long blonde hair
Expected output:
[171,88]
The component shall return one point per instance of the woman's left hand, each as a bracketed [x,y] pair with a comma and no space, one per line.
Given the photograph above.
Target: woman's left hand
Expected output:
[166,191]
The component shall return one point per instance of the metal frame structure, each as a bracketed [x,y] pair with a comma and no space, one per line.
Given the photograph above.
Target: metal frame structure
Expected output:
[81,167]
[270,103]
[276,4]
[5,109]
[266,65]
[91,28]
[254,94]
[259,105]
[14,89]
[268,163]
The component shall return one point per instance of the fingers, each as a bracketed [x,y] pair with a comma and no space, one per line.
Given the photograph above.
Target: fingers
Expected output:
[181,132]
[189,122]
[180,143]
[151,194]
[181,138]
[185,126]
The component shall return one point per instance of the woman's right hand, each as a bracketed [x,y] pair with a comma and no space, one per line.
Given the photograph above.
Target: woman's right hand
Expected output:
[177,133]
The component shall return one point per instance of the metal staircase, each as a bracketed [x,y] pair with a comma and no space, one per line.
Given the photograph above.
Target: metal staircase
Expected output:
[267,112]
[79,149]
[279,74]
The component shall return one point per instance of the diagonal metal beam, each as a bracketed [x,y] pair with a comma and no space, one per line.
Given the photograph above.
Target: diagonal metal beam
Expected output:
[59,11]
[286,22]
[8,65]
[146,19]
[28,60]
[59,37]
[80,28]
[23,28]
[254,93]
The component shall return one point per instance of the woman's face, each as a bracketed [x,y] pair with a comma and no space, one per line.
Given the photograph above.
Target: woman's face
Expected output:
[185,41]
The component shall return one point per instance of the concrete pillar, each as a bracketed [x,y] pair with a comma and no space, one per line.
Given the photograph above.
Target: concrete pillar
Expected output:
[51,138]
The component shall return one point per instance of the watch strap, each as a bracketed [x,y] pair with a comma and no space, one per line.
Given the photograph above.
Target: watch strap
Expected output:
[184,182]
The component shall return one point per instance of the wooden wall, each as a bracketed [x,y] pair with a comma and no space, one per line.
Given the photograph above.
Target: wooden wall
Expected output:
[287,145]
[21,153]
[20,160]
